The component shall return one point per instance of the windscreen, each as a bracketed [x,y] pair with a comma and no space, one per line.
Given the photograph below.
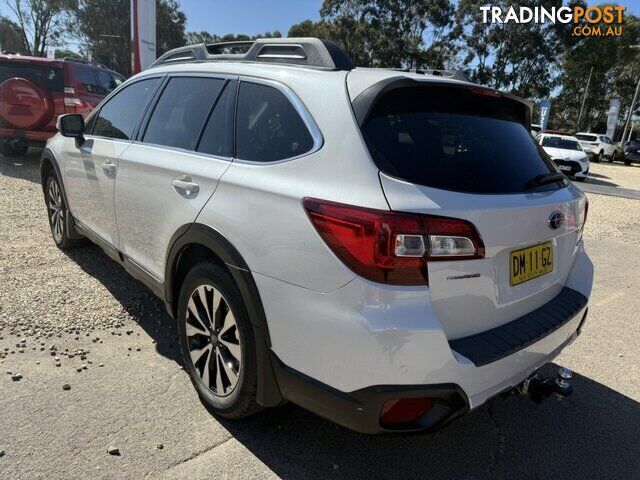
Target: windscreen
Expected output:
[563,143]
[46,77]
[454,139]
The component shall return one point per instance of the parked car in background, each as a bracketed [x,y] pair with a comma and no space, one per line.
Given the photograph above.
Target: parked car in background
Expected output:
[387,249]
[632,151]
[598,146]
[35,91]
[567,153]
[535,129]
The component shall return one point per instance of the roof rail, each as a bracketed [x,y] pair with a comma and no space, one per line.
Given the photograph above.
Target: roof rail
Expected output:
[308,51]
[453,74]
[83,61]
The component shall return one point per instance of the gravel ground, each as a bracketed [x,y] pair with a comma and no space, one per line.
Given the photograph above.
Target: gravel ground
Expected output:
[615,175]
[120,384]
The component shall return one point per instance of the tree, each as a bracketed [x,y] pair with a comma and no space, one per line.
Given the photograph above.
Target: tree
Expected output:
[41,23]
[104,27]
[11,39]
[206,37]
[616,70]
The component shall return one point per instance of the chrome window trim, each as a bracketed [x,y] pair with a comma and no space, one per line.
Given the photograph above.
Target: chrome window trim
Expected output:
[301,109]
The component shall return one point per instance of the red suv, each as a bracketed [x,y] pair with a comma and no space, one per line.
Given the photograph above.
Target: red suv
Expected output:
[34,91]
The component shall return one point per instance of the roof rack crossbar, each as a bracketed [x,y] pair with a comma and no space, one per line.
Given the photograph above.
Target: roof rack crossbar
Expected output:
[307,51]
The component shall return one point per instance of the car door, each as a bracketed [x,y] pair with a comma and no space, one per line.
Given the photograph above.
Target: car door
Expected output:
[91,170]
[169,174]
[609,146]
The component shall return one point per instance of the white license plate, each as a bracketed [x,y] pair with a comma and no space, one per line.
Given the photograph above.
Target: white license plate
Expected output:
[564,168]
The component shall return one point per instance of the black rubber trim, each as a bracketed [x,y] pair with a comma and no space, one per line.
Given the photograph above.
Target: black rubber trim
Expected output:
[359,410]
[268,394]
[491,345]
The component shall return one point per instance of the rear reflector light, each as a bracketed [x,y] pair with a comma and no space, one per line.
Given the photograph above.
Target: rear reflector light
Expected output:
[403,410]
[392,247]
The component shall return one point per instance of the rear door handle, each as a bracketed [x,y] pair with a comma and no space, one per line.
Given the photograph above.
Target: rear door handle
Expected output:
[185,186]
[109,168]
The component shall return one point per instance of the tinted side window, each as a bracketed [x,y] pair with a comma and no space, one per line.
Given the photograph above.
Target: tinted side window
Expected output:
[119,116]
[107,83]
[217,138]
[88,79]
[179,115]
[268,127]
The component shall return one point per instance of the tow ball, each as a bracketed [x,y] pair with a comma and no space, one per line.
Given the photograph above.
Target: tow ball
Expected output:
[538,388]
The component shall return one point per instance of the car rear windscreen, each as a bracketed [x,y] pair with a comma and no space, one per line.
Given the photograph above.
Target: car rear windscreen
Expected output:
[587,138]
[562,143]
[46,77]
[454,139]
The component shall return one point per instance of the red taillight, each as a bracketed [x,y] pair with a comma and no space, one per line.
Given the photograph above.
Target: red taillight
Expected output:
[486,91]
[392,247]
[70,99]
[401,411]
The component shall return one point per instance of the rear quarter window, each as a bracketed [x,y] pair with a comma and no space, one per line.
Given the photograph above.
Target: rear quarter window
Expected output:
[452,139]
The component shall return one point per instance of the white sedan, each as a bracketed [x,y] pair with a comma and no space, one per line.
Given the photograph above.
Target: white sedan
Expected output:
[567,153]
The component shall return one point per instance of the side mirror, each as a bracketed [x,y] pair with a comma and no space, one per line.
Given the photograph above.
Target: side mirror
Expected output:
[71,125]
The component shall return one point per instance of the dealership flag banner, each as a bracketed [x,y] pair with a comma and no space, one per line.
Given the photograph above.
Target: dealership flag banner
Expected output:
[612,118]
[143,34]
[545,108]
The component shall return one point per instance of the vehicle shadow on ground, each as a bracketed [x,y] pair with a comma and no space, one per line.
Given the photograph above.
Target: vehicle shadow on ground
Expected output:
[596,181]
[24,168]
[592,434]
[137,300]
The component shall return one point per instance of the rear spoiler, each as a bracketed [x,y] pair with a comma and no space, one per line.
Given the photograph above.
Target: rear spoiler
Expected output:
[365,102]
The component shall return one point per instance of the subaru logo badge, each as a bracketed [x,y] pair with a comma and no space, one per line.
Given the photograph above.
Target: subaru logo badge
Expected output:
[556,219]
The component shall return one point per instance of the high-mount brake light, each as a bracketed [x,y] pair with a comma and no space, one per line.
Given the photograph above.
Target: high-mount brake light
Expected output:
[392,247]
[486,91]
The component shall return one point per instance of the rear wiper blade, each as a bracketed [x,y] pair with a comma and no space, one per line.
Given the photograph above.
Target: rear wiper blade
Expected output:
[544,179]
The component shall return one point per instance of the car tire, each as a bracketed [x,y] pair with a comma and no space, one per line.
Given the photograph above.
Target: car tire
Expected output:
[217,342]
[9,150]
[600,156]
[613,157]
[58,213]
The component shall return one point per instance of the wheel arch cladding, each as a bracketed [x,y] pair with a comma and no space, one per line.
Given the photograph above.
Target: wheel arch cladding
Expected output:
[197,242]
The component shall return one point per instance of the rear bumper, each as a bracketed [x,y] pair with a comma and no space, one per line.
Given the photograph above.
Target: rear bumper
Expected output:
[632,156]
[31,137]
[342,354]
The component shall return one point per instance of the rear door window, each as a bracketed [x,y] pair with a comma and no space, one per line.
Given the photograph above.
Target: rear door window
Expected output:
[119,117]
[454,139]
[48,78]
[107,82]
[181,112]
[268,127]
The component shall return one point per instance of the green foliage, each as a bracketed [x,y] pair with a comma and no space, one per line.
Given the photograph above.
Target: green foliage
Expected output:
[616,70]
[11,39]
[104,27]
[40,23]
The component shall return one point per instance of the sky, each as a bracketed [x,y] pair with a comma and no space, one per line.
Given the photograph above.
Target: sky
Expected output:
[252,17]
[248,16]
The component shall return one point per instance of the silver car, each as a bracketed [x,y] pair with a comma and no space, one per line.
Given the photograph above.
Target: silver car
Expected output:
[387,249]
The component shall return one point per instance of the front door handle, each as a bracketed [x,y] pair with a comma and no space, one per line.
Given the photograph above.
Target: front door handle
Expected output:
[185,186]
[109,168]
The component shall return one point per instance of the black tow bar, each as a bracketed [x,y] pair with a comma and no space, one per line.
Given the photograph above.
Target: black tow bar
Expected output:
[538,388]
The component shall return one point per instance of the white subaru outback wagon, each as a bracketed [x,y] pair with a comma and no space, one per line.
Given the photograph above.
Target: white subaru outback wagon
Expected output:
[387,249]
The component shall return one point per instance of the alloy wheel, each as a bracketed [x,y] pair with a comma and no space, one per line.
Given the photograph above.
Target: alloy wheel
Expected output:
[56,210]
[213,340]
